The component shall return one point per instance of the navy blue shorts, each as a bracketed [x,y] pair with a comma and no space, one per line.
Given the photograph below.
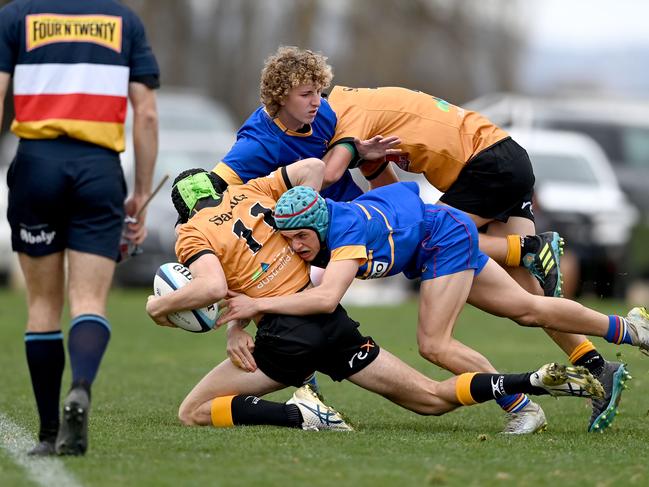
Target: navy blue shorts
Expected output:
[450,245]
[63,194]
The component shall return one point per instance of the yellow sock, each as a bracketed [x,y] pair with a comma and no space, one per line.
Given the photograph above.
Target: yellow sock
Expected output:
[513,258]
[463,389]
[221,411]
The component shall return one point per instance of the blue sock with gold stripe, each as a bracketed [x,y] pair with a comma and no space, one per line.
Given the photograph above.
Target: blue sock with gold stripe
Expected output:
[618,332]
[513,403]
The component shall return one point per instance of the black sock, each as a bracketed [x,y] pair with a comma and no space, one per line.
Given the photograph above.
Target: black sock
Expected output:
[486,387]
[593,361]
[87,341]
[252,410]
[46,360]
[530,244]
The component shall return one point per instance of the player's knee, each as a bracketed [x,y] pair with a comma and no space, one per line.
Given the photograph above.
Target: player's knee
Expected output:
[433,351]
[186,415]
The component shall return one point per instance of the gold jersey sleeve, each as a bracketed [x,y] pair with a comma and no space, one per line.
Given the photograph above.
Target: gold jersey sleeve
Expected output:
[240,231]
[438,138]
[226,173]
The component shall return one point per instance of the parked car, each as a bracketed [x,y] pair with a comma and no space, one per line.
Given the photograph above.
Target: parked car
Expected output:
[577,194]
[620,127]
[7,257]
[195,131]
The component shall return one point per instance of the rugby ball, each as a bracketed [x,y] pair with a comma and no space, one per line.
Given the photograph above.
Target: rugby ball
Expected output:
[172,276]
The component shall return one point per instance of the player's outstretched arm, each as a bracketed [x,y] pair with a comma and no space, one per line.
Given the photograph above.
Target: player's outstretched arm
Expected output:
[336,163]
[340,156]
[324,298]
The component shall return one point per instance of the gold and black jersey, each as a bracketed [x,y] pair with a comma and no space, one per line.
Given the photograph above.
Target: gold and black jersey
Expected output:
[438,139]
[240,231]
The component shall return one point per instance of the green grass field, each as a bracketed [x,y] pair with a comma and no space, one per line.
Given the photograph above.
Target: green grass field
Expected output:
[136,440]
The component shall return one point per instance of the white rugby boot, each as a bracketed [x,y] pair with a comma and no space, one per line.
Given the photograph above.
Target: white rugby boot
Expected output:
[638,327]
[316,415]
[530,419]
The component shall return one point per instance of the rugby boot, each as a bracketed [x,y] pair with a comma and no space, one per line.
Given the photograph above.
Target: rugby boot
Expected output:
[73,432]
[44,448]
[530,419]
[316,416]
[312,382]
[567,380]
[544,265]
[638,327]
[612,376]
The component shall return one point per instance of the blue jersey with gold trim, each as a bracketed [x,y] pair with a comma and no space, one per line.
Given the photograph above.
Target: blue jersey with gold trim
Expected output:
[263,145]
[383,228]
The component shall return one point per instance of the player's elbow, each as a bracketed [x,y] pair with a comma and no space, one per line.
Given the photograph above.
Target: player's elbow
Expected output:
[216,290]
[315,170]
[145,116]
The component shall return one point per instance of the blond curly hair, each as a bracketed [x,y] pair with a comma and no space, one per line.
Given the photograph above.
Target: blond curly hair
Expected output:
[291,66]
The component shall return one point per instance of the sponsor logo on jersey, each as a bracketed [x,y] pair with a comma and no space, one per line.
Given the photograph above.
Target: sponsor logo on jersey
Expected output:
[227,216]
[43,29]
[363,354]
[280,262]
[39,238]
[379,269]
[263,268]
[443,105]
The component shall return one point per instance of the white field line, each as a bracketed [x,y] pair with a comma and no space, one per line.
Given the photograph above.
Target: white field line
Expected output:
[45,471]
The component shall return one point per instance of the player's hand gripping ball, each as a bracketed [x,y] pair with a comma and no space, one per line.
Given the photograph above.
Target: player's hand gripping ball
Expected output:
[172,276]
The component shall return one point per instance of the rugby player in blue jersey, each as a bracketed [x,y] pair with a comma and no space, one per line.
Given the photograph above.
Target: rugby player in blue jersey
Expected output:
[390,230]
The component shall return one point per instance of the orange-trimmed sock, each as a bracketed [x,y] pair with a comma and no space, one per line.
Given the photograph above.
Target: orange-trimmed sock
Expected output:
[513,258]
[472,388]
[221,412]
[586,355]
[229,411]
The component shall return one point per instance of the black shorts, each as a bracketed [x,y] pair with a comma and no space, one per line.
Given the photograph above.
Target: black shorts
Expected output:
[63,194]
[288,349]
[497,183]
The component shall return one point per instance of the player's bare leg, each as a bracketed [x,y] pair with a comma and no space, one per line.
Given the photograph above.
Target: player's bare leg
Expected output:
[403,385]
[580,350]
[89,280]
[441,300]
[229,396]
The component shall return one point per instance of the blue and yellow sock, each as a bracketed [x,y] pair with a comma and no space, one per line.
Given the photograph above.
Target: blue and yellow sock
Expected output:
[513,403]
[618,331]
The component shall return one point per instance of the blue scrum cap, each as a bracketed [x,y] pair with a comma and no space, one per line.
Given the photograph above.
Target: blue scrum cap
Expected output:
[302,207]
